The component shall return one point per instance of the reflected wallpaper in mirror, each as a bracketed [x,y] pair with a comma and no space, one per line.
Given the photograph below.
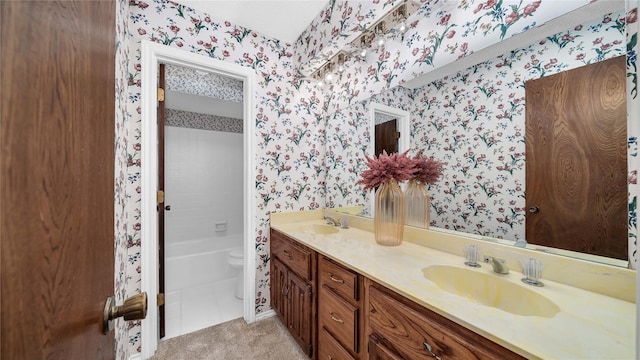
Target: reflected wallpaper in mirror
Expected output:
[474,121]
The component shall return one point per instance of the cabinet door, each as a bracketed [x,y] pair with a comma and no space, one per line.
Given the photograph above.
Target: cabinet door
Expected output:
[299,311]
[419,333]
[279,288]
[377,350]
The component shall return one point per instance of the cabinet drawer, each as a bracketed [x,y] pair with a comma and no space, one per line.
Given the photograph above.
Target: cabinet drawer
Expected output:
[341,280]
[296,257]
[411,332]
[330,349]
[339,318]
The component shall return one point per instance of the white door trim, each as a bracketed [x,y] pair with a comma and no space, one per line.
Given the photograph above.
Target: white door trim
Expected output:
[152,54]
[404,118]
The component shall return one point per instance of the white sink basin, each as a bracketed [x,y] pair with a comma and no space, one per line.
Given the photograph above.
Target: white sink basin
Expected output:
[490,289]
[318,229]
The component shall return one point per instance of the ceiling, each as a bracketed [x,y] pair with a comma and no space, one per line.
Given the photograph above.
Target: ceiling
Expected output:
[284,20]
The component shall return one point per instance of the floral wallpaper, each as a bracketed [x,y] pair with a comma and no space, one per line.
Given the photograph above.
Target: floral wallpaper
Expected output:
[460,28]
[121,218]
[292,117]
[348,140]
[633,129]
[194,120]
[289,124]
[474,121]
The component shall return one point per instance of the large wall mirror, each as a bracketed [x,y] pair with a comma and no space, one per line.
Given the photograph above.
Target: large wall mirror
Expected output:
[473,118]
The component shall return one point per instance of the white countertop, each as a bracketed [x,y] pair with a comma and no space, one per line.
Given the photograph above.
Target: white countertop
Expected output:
[588,326]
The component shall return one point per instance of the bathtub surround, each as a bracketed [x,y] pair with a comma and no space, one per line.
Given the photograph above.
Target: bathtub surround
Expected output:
[203,172]
[289,115]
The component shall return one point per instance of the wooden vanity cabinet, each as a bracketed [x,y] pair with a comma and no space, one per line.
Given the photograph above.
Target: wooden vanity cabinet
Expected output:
[340,316]
[293,279]
[401,329]
[351,317]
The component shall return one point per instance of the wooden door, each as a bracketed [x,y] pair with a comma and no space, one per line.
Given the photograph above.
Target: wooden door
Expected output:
[387,135]
[161,203]
[299,311]
[576,168]
[57,171]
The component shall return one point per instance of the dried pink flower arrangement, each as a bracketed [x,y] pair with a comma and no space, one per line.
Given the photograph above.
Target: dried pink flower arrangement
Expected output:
[386,167]
[428,169]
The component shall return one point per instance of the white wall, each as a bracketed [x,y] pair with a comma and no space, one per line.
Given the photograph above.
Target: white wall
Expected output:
[203,183]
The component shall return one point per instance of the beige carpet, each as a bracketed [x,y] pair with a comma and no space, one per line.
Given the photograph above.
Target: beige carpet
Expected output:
[267,339]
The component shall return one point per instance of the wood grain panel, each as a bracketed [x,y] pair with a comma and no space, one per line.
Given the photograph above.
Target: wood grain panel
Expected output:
[161,206]
[406,327]
[297,257]
[339,317]
[330,349]
[343,282]
[386,136]
[576,156]
[57,170]
[299,311]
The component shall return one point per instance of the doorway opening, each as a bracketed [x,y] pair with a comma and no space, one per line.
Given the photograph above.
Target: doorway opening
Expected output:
[152,56]
[389,127]
[200,172]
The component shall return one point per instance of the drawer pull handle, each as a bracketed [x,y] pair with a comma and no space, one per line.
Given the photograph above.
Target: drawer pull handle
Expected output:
[329,357]
[335,279]
[430,350]
[338,320]
[287,254]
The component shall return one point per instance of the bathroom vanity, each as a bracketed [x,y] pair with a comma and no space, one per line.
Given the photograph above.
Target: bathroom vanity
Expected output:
[342,296]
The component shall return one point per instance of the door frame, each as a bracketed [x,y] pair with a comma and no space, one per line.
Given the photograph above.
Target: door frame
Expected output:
[152,54]
[404,119]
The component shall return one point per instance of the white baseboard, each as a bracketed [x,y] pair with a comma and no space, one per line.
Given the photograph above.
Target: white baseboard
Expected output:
[137,356]
[265,315]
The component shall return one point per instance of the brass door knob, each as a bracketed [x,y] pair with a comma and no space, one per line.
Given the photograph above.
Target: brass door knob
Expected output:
[133,308]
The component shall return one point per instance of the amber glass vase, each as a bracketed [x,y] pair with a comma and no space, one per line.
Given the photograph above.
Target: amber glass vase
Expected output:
[389,214]
[417,199]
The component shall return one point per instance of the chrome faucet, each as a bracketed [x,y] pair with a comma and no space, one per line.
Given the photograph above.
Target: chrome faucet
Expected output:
[332,221]
[498,265]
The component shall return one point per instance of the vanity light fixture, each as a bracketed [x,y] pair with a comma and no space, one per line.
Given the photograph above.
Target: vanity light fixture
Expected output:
[392,21]
[335,64]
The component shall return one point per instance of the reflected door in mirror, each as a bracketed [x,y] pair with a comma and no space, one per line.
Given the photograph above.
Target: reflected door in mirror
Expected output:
[387,136]
[576,168]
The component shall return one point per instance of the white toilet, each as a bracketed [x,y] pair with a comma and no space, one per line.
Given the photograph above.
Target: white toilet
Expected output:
[236,261]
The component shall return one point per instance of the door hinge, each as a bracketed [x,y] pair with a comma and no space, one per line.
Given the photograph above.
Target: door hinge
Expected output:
[160,94]
[397,135]
[160,196]
[160,299]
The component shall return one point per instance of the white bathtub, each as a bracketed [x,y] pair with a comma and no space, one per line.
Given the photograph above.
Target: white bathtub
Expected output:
[197,262]
[199,285]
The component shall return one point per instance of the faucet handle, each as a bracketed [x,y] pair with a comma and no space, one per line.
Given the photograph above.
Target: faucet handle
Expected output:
[472,255]
[532,270]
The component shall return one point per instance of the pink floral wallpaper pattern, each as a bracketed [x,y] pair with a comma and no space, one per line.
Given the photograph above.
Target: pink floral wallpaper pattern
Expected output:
[474,121]
[290,113]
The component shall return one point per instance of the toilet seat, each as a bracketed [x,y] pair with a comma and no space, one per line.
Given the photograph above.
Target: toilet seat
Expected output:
[236,257]
[236,253]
